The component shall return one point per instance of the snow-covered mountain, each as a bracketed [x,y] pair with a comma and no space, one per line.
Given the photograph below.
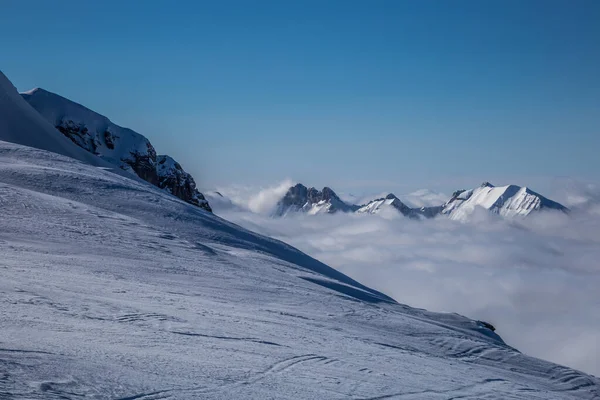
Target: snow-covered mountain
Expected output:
[388,202]
[506,201]
[114,289]
[299,198]
[20,123]
[119,146]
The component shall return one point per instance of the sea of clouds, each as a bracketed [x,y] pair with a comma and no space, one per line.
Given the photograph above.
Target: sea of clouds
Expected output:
[537,280]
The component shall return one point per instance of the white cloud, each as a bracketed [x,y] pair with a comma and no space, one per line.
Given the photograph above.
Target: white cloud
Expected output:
[536,280]
[261,201]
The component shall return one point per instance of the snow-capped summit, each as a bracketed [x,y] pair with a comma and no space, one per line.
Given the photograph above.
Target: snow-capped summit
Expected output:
[299,198]
[119,146]
[506,201]
[388,202]
[21,124]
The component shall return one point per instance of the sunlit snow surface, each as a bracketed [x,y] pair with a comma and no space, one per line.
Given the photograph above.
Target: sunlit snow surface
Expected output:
[113,289]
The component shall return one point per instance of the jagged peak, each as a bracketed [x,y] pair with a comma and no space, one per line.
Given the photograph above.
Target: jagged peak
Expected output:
[328,193]
[487,184]
[391,196]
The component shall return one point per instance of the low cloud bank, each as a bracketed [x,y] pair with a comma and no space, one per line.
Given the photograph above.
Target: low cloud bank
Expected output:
[537,280]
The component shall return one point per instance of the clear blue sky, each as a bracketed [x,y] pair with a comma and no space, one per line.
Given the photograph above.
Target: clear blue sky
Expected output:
[368,94]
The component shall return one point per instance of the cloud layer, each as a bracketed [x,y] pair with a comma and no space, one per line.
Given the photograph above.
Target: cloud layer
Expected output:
[537,280]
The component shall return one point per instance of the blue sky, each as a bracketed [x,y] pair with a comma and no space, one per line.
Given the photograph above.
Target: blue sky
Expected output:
[367,95]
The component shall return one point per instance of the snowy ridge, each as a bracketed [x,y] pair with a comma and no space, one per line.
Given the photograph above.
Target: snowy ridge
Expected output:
[119,146]
[506,201]
[20,123]
[389,202]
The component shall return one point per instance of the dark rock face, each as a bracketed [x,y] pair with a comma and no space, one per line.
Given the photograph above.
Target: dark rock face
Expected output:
[144,164]
[301,198]
[109,139]
[119,146]
[179,183]
[297,196]
[78,134]
[400,206]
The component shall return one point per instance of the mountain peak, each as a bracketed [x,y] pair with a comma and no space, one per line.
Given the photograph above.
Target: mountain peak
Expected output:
[22,124]
[118,146]
[506,201]
[328,194]
[377,205]
[299,198]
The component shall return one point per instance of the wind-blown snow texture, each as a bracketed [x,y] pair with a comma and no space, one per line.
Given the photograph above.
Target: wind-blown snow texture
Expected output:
[112,288]
[134,293]
[119,146]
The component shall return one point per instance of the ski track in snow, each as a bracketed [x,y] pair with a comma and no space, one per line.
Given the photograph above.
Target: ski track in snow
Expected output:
[112,289]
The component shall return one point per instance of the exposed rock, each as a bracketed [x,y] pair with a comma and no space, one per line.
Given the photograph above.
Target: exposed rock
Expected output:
[176,181]
[120,146]
[311,201]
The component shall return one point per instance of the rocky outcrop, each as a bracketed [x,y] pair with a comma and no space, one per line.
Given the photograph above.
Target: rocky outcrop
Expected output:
[119,146]
[176,181]
[312,201]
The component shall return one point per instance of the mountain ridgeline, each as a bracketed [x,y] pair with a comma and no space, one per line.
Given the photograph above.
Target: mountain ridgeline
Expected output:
[119,146]
[506,201]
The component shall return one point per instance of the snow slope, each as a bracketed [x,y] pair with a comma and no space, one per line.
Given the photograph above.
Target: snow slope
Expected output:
[20,123]
[390,202]
[114,289]
[506,201]
[119,146]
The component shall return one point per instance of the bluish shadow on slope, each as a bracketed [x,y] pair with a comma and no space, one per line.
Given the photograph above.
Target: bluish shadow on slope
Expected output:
[347,290]
[132,197]
[236,236]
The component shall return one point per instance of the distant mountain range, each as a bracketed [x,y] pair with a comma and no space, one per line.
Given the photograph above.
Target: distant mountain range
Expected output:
[108,145]
[506,201]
